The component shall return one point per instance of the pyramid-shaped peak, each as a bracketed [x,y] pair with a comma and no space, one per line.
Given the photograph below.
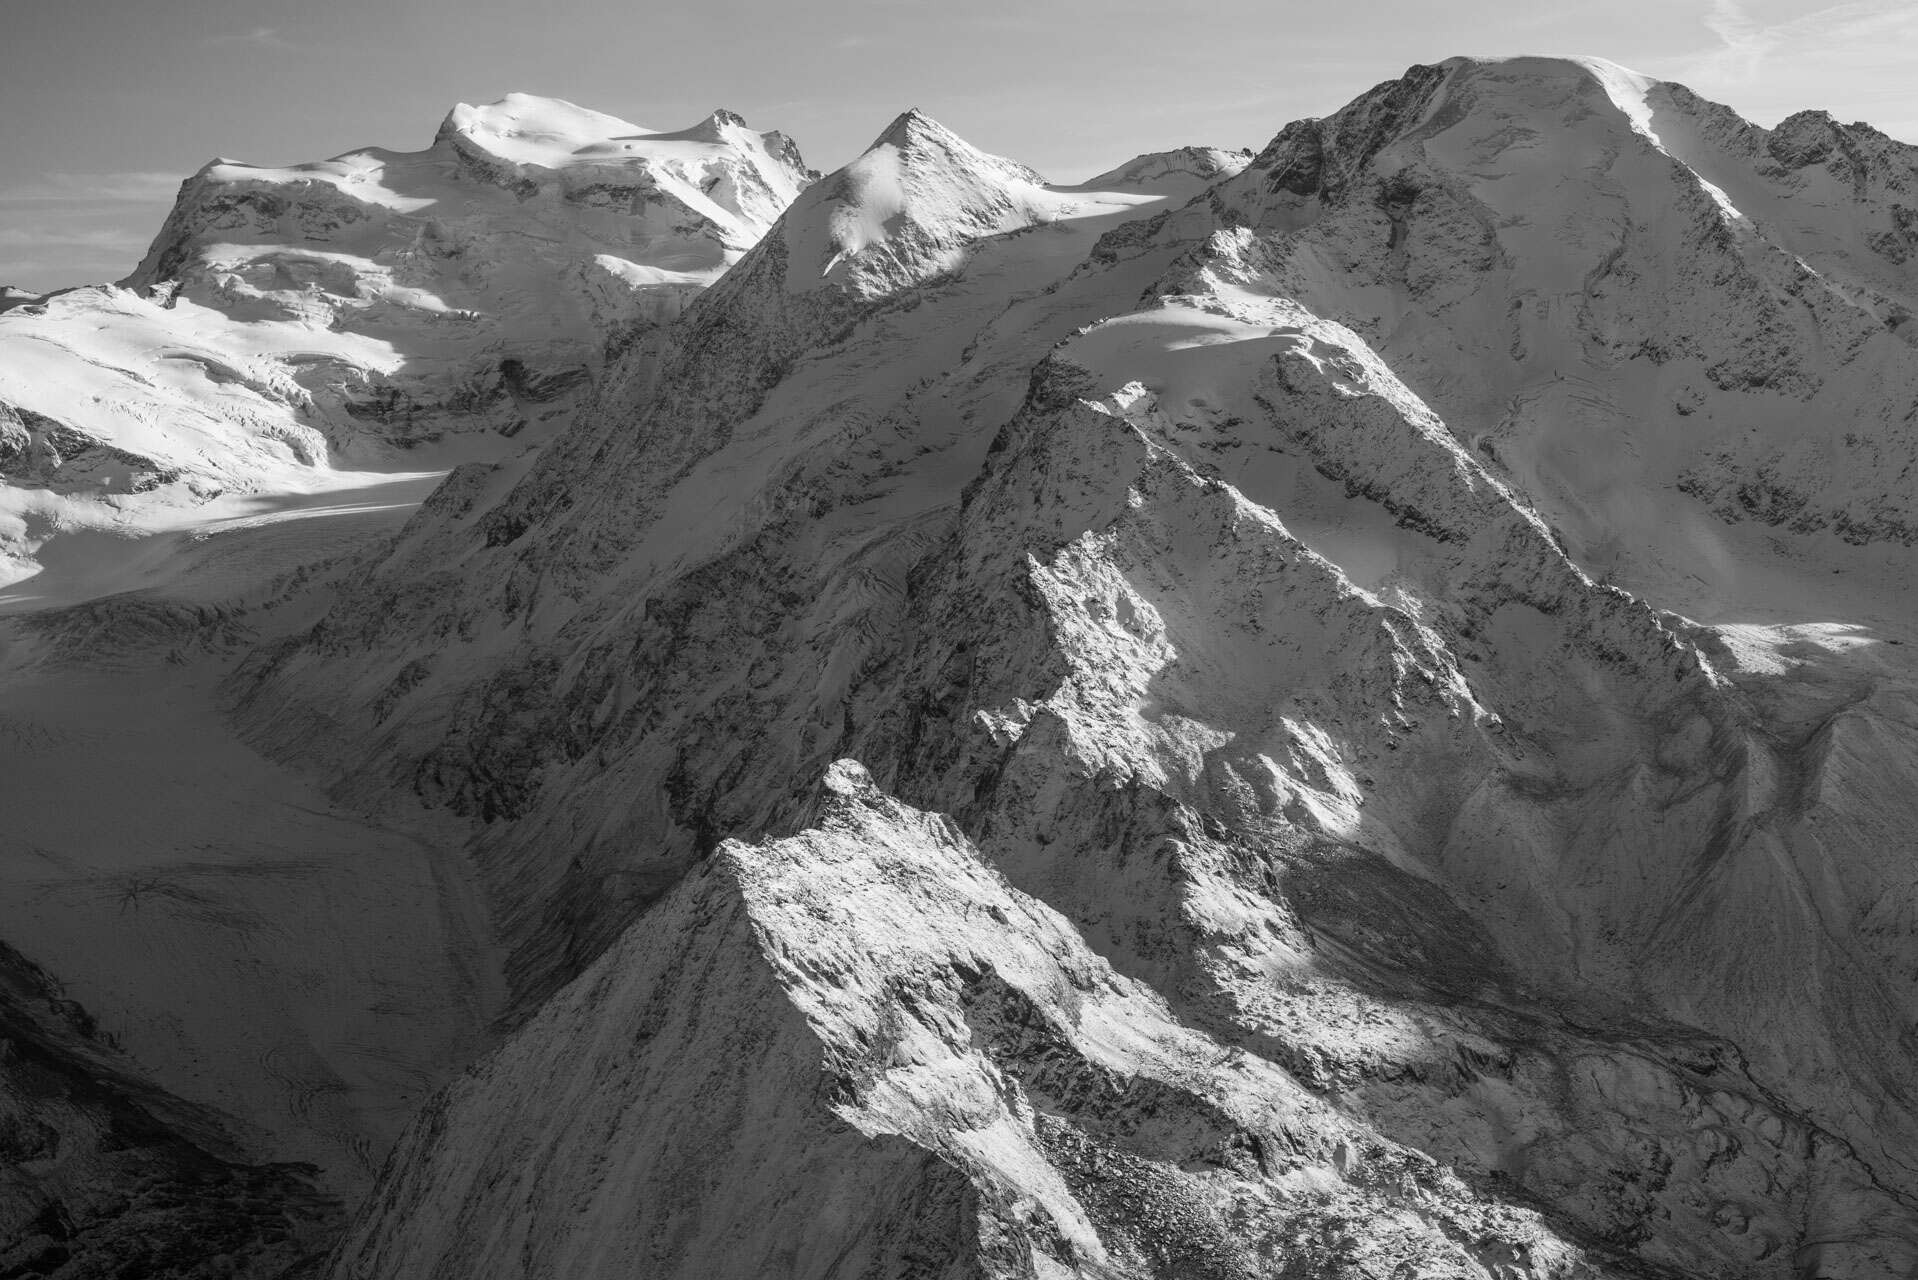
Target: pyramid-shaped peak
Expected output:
[920,142]
[913,127]
[917,174]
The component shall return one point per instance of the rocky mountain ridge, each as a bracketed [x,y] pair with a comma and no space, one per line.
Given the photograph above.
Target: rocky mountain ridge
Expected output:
[1360,699]
[1214,572]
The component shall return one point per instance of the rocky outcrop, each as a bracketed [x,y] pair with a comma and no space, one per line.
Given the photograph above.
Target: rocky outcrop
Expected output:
[1203,164]
[921,1071]
[101,1174]
[36,449]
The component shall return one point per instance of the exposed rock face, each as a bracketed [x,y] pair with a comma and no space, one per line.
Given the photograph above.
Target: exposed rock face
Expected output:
[101,1174]
[1551,249]
[1320,778]
[1208,164]
[921,1071]
[1182,554]
[36,449]
[717,491]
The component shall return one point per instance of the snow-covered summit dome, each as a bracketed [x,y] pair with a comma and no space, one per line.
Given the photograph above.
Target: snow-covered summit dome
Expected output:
[527,129]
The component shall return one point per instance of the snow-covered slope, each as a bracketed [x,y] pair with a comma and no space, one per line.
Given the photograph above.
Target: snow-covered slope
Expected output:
[1146,531]
[920,1071]
[294,327]
[1615,288]
[301,357]
[1362,699]
[735,437]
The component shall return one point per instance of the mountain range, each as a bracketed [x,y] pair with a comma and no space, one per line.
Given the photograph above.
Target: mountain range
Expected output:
[587,702]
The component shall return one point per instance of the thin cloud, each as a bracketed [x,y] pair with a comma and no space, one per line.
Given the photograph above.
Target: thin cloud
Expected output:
[42,258]
[35,276]
[69,238]
[258,38]
[1745,43]
[1854,32]
[41,271]
[90,188]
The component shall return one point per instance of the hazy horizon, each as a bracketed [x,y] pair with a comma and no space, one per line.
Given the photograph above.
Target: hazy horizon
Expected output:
[114,103]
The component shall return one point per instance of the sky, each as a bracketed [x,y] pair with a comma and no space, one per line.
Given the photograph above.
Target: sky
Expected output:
[108,104]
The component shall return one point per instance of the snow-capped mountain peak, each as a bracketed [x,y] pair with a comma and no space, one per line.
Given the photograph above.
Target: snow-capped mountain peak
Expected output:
[1361,690]
[913,132]
[908,204]
[294,324]
[718,126]
[1236,578]
[527,129]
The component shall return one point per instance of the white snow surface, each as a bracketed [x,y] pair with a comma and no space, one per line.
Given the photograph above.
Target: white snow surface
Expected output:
[295,328]
[920,197]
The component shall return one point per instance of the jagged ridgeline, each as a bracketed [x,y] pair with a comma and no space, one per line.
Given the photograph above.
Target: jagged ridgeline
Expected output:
[1339,712]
